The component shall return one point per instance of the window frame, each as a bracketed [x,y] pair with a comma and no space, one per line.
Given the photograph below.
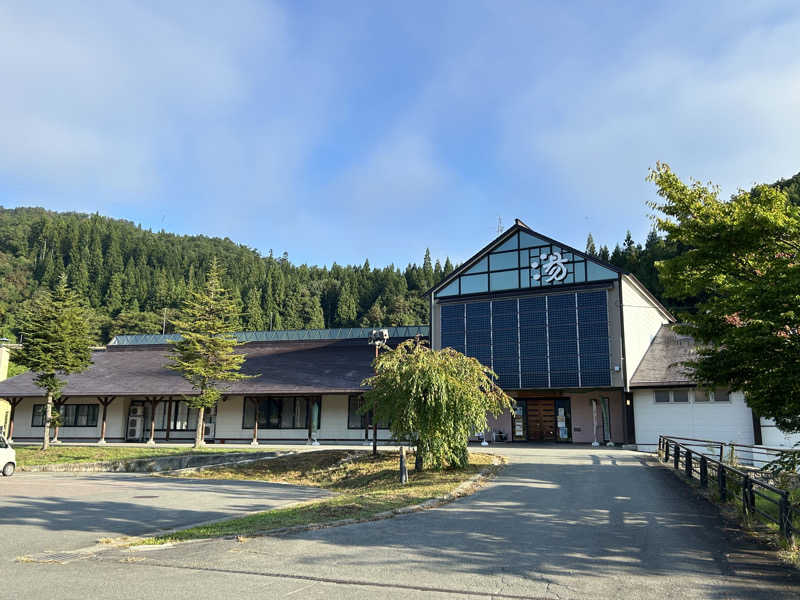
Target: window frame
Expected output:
[76,410]
[273,400]
[365,419]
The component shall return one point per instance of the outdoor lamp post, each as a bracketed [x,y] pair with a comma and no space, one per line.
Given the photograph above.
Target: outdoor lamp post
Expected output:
[377,338]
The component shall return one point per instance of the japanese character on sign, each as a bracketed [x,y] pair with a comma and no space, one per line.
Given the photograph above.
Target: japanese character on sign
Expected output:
[551,265]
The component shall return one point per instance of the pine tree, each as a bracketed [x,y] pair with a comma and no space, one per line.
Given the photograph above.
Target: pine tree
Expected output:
[205,355]
[591,250]
[57,342]
[427,271]
[346,307]
[254,317]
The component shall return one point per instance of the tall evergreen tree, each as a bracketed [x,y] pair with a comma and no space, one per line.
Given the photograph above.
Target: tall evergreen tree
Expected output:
[56,343]
[205,355]
[346,307]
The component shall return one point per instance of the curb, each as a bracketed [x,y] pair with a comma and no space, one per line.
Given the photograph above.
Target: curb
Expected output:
[154,464]
[465,488]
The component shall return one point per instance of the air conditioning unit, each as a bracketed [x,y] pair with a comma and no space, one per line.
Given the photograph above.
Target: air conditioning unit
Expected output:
[136,411]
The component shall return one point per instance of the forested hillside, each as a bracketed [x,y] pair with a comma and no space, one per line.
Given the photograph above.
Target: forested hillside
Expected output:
[129,275]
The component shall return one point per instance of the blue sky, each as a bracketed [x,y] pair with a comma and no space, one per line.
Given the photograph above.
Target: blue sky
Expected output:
[342,130]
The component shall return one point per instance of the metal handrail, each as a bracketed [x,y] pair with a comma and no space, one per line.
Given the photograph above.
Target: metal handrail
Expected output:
[670,449]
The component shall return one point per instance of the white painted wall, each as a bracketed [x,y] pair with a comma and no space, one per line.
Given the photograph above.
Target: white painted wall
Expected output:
[721,421]
[772,437]
[333,423]
[117,411]
[642,319]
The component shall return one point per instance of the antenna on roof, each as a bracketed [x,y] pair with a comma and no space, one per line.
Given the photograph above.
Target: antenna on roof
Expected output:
[499,225]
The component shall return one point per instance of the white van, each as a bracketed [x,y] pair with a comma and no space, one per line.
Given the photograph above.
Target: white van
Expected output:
[8,458]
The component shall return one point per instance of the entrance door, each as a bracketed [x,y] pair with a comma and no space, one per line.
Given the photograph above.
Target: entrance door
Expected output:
[541,419]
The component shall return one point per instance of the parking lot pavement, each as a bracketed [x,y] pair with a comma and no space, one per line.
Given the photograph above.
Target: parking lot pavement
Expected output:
[557,523]
[66,511]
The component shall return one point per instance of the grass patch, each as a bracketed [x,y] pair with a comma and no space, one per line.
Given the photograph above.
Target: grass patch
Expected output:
[31,456]
[364,487]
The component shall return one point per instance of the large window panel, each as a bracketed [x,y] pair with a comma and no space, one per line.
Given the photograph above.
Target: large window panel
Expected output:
[504,280]
[503,260]
[474,284]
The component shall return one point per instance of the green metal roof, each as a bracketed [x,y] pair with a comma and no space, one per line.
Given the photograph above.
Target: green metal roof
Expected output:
[347,333]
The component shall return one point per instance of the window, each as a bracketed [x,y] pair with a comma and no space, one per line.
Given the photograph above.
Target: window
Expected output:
[37,419]
[662,396]
[79,415]
[72,415]
[702,395]
[355,420]
[680,395]
[183,417]
[278,412]
[722,395]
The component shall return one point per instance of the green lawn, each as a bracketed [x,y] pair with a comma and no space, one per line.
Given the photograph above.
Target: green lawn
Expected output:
[364,487]
[30,455]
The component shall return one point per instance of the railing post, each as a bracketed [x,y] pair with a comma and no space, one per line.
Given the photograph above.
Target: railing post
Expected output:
[666,451]
[676,459]
[688,463]
[784,522]
[660,447]
[722,482]
[746,495]
[703,471]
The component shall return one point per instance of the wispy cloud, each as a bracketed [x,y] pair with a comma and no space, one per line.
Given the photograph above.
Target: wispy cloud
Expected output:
[360,130]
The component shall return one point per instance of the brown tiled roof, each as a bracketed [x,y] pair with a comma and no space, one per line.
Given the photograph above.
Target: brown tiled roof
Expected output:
[308,367]
[661,364]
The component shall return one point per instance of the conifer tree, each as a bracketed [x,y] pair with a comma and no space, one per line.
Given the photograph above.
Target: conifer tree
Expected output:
[56,343]
[591,250]
[205,355]
[346,307]
[254,317]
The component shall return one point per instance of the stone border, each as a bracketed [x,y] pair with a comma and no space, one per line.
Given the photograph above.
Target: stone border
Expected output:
[465,488]
[155,464]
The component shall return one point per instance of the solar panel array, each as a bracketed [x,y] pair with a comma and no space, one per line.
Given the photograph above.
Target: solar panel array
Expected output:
[545,341]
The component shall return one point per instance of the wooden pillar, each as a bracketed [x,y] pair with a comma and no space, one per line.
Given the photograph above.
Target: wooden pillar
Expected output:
[104,401]
[169,416]
[255,421]
[14,402]
[154,402]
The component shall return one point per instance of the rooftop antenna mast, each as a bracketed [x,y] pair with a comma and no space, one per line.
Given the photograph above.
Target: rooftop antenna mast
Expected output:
[499,225]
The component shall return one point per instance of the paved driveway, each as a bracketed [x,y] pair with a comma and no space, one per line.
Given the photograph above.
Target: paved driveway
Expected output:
[66,511]
[560,522]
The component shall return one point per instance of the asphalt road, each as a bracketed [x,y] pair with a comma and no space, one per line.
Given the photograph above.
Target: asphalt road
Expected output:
[67,511]
[562,522]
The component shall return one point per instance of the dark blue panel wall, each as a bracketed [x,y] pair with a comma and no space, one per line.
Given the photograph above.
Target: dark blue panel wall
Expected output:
[558,340]
[505,343]
[479,344]
[453,327]
[593,334]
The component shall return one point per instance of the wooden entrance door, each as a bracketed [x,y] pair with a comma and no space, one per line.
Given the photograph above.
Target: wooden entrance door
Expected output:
[541,419]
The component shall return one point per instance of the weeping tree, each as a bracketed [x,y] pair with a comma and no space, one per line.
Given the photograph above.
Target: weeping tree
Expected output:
[206,353]
[57,343]
[436,398]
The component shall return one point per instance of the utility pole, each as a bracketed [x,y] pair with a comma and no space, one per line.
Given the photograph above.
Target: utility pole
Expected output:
[164,324]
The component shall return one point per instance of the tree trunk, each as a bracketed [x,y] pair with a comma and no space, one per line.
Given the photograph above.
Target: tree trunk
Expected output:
[374,435]
[198,434]
[418,462]
[48,411]
[59,409]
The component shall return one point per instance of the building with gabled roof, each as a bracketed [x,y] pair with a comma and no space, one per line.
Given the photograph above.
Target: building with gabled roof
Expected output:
[563,331]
